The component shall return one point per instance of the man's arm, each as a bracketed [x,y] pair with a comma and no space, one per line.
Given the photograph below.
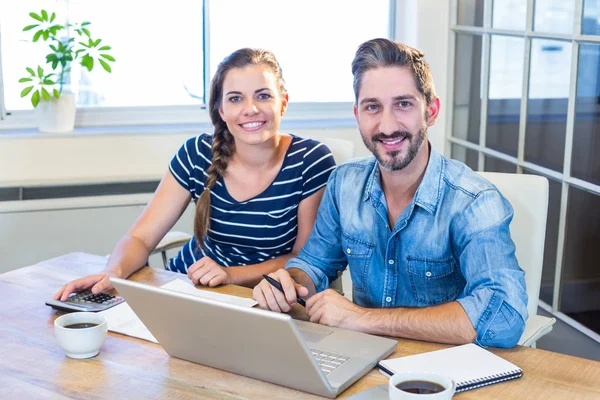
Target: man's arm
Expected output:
[446,323]
[318,261]
[494,309]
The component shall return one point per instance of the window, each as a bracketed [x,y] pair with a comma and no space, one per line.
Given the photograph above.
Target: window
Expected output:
[315,48]
[165,54]
[527,100]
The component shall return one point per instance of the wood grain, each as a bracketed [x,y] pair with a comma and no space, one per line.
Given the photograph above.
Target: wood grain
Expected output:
[33,366]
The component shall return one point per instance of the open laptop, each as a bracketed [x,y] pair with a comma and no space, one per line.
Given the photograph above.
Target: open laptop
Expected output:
[253,342]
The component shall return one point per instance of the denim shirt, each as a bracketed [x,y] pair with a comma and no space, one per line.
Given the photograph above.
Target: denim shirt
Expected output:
[452,242]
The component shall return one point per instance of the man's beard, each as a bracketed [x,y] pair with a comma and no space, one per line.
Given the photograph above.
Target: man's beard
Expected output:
[394,162]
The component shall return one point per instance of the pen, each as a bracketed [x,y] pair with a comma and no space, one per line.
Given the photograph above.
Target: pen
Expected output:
[278,286]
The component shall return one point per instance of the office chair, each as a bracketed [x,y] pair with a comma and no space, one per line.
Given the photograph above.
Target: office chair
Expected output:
[528,195]
[342,151]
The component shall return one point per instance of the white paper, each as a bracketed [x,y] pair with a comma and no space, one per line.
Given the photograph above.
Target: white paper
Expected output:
[121,318]
[182,286]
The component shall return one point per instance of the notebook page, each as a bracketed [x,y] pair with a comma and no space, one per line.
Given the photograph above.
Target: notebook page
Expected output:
[464,363]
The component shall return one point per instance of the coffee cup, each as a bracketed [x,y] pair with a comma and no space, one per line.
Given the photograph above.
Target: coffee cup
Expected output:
[414,385]
[81,334]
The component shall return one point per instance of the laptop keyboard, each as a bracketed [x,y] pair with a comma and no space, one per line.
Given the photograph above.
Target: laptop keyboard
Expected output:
[327,360]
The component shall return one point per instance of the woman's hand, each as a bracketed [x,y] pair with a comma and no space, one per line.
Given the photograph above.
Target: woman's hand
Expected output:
[99,283]
[207,272]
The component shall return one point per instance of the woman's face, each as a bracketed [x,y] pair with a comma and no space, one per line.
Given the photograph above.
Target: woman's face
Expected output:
[252,105]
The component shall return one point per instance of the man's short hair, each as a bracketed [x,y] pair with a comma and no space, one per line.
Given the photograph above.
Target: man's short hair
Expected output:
[378,53]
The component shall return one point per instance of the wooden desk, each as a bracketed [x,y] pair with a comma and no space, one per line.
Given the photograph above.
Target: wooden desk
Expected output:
[33,366]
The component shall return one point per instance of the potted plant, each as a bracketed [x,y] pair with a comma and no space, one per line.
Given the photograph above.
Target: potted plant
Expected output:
[55,105]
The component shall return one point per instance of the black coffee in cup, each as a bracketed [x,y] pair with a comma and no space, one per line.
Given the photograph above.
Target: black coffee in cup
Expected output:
[81,325]
[420,387]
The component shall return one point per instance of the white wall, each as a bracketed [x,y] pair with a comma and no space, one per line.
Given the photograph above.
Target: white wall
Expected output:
[53,159]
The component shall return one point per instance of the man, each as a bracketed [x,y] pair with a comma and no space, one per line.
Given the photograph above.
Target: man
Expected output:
[426,239]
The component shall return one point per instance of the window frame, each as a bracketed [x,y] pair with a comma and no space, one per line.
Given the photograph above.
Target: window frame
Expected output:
[563,177]
[14,121]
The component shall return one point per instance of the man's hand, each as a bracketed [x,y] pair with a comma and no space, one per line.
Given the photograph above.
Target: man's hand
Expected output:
[272,299]
[208,273]
[332,309]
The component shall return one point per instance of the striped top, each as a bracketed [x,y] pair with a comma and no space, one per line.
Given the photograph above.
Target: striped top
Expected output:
[255,230]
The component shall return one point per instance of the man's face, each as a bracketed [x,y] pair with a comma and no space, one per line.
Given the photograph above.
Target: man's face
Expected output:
[392,116]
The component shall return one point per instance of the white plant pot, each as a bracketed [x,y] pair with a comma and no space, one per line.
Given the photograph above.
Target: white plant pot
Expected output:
[57,115]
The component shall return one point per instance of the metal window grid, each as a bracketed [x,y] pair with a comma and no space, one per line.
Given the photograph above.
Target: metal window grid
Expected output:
[564,177]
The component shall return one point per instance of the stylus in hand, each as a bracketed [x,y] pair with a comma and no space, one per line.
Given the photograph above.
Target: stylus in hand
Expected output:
[278,286]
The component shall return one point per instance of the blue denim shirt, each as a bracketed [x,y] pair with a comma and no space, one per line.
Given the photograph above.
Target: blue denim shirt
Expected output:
[452,242]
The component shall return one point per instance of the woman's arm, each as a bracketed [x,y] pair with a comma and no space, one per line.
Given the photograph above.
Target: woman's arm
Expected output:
[208,272]
[131,252]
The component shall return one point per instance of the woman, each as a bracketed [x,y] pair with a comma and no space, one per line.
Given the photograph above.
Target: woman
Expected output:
[256,191]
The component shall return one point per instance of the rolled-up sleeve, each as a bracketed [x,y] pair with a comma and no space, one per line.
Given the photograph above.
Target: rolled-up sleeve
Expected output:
[322,256]
[494,297]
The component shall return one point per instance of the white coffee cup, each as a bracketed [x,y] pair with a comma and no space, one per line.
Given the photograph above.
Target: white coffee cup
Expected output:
[395,393]
[81,342]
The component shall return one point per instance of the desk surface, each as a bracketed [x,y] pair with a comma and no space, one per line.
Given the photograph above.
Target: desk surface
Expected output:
[33,366]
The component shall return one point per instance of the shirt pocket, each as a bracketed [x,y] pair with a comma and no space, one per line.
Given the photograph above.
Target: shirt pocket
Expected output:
[433,281]
[358,252]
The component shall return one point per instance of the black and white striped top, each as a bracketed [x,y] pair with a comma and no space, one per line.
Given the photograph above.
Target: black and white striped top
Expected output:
[263,227]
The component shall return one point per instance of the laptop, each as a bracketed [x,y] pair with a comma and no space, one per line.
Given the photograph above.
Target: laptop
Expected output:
[253,342]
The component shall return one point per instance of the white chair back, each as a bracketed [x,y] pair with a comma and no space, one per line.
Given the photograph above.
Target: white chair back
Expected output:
[528,195]
[342,150]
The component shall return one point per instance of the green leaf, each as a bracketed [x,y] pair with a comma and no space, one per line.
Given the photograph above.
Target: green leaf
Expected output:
[56,94]
[88,62]
[30,27]
[97,42]
[84,45]
[105,65]
[44,15]
[35,98]
[35,16]
[54,64]
[26,91]
[45,94]
[53,47]
[104,48]
[40,72]
[87,32]
[25,80]
[48,82]
[30,70]
[46,35]
[37,35]
[85,23]
[52,17]
[108,57]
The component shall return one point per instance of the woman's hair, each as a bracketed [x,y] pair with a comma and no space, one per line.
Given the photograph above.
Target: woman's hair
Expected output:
[223,145]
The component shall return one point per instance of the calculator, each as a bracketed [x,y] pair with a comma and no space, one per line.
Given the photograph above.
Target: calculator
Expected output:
[86,301]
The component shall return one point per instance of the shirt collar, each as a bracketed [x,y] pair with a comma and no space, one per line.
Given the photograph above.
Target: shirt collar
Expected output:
[430,189]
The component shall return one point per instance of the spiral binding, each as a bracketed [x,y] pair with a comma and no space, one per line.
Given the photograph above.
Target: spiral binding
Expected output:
[488,380]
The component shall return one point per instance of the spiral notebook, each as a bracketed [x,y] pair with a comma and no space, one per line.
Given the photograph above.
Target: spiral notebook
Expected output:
[469,365]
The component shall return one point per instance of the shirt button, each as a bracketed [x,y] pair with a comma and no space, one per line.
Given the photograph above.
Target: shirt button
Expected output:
[391,262]
[428,274]
[388,299]
[348,250]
